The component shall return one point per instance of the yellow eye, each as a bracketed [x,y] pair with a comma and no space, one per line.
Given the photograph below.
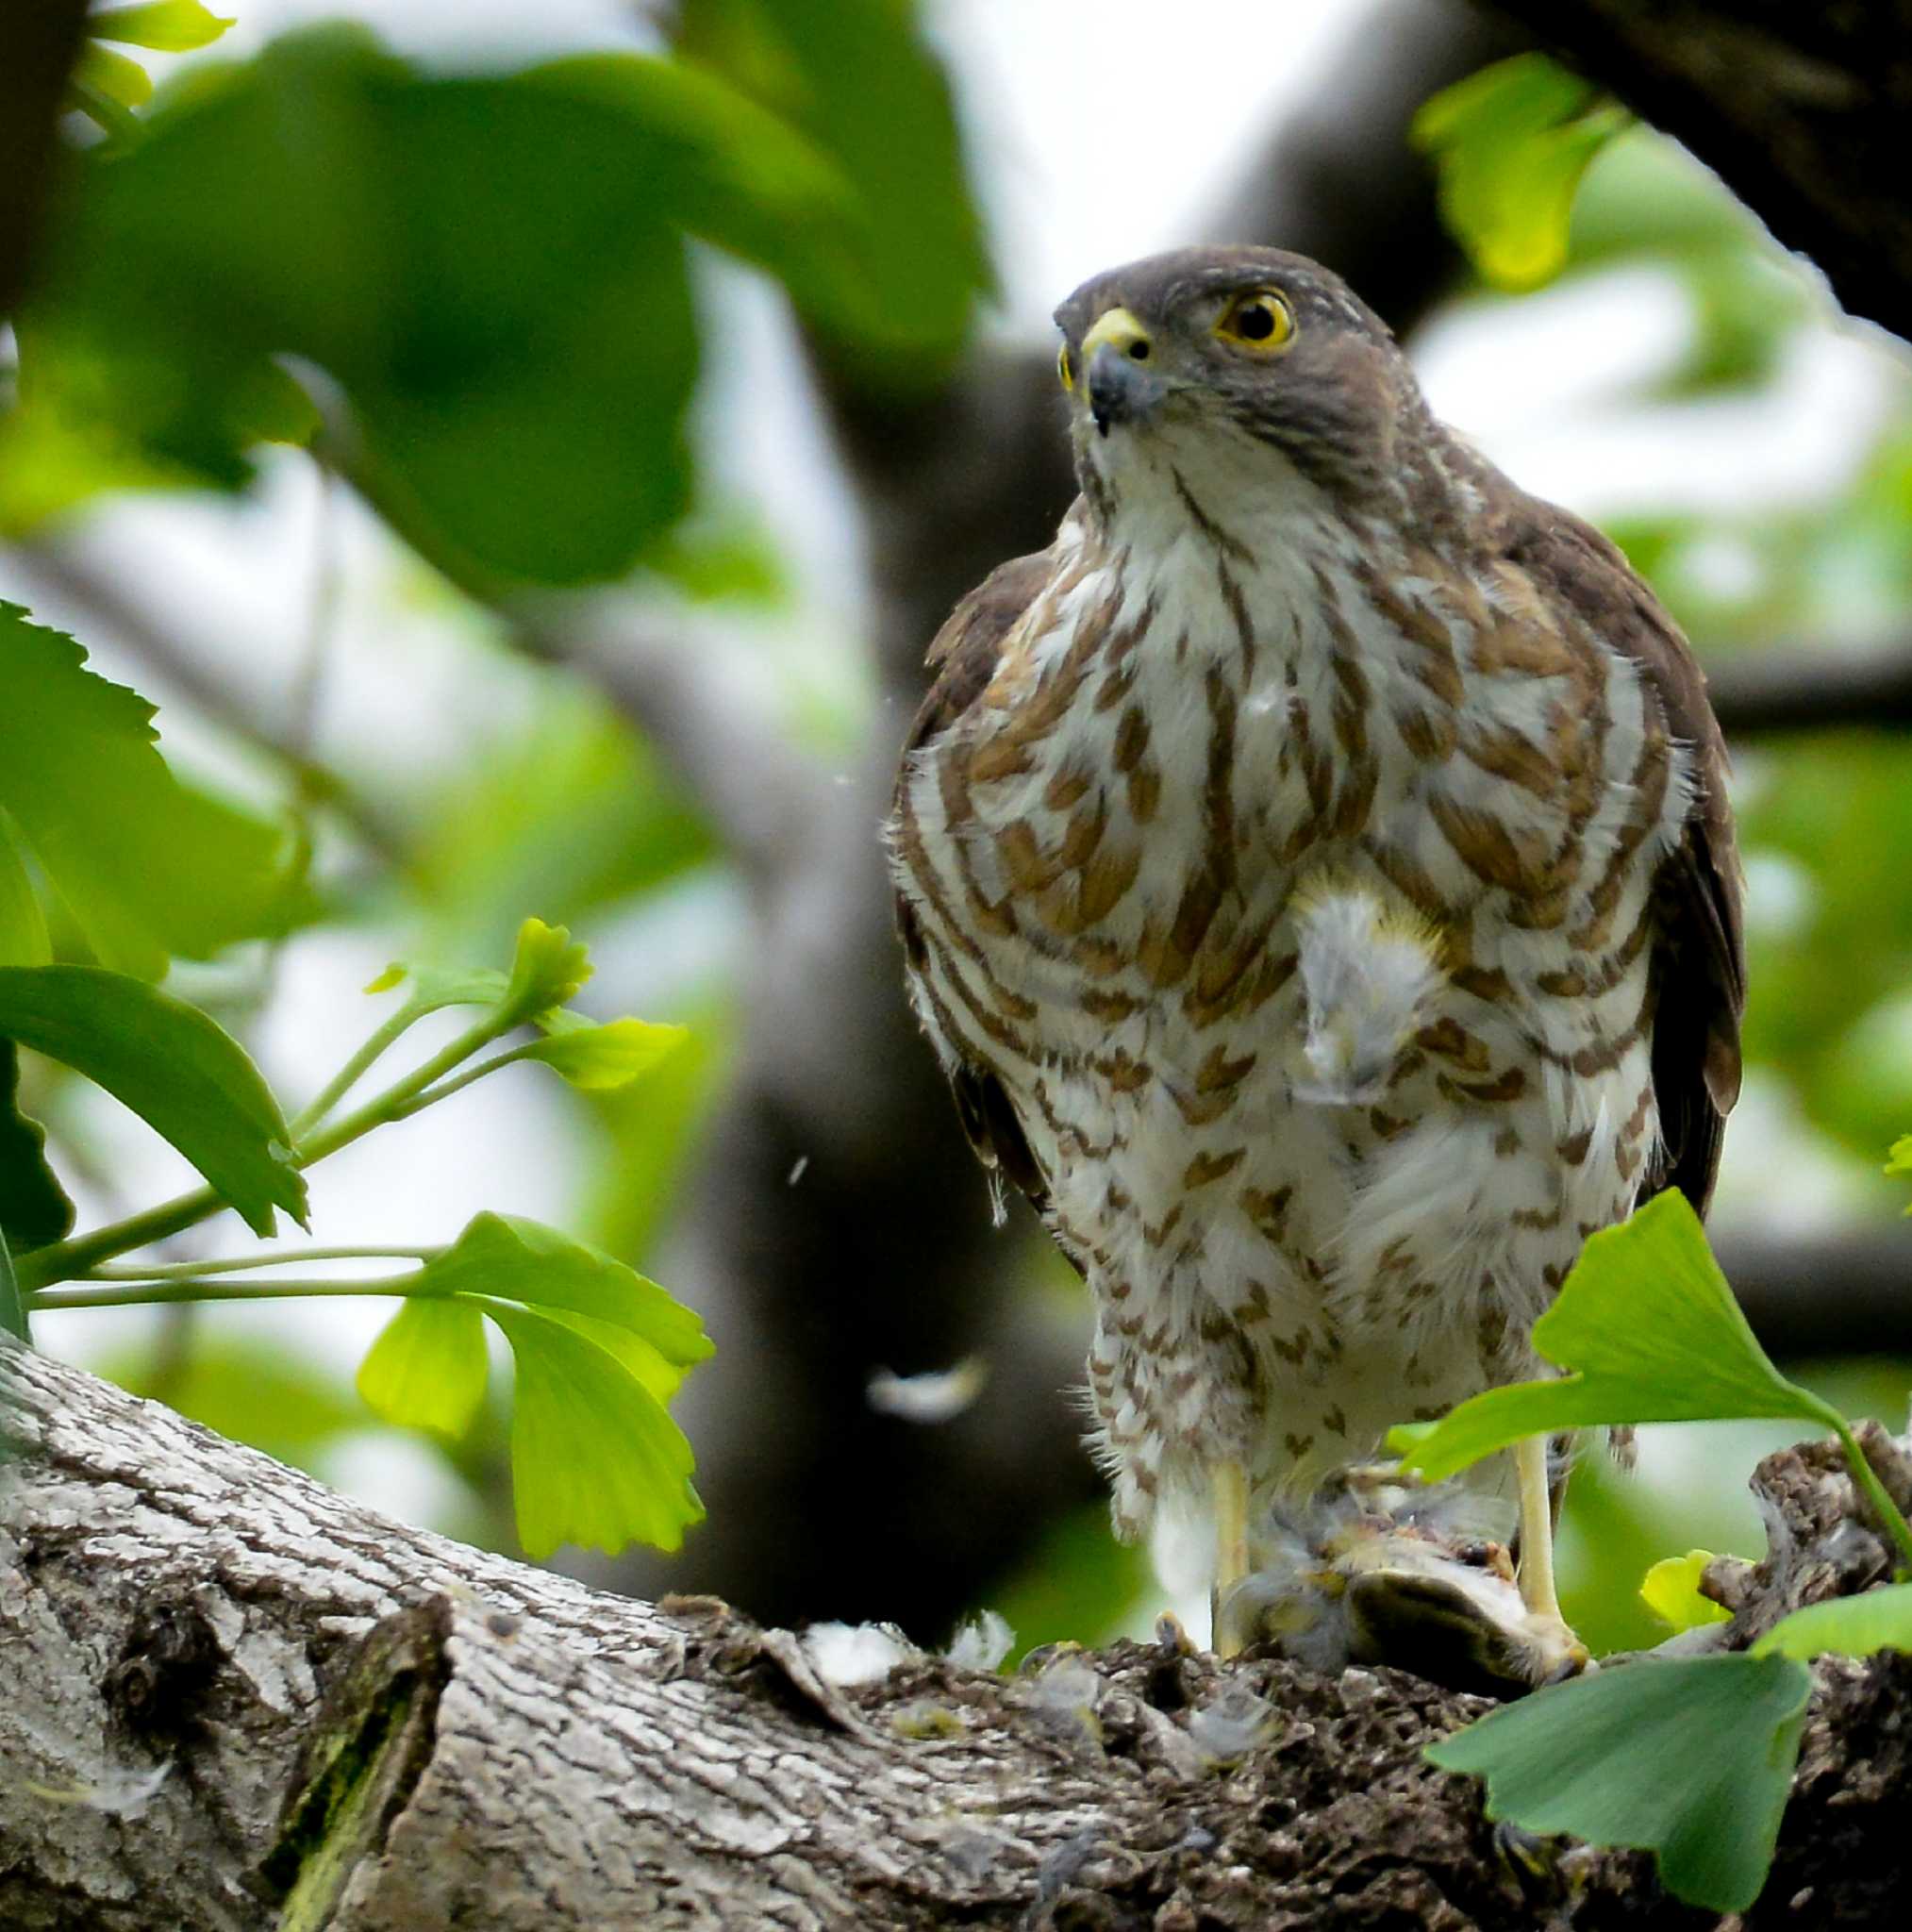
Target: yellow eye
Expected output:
[1065,368]
[1259,320]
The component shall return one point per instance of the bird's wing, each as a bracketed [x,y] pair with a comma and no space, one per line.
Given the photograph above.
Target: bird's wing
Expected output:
[964,655]
[1698,958]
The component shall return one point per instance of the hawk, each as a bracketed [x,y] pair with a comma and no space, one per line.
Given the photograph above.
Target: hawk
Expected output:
[1316,876]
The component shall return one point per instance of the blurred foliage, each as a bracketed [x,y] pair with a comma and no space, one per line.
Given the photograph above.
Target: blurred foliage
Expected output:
[566,807]
[492,270]
[107,85]
[148,866]
[1509,145]
[252,1390]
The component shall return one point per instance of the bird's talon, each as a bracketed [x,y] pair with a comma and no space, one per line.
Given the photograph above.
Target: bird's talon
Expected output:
[1171,1637]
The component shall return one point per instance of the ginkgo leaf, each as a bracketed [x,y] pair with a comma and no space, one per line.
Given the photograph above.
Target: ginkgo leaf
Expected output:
[856,78]
[1690,1759]
[434,986]
[1670,1590]
[1851,1625]
[595,1460]
[642,1358]
[184,1077]
[122,81]
[600,1057]
[429,1368]
[24,939]
[1647,1331]
[1510,145]
[145,865]
[167,26]
[546,969]
[501,1257]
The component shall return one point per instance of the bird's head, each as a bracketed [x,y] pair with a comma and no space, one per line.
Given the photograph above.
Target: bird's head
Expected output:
[1247,363]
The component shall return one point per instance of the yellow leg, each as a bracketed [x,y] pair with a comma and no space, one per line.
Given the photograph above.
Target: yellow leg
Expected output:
[1536,1528]
[1557,1643]
[1230,1480]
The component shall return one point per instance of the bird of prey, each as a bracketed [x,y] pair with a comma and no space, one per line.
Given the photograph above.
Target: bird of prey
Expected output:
[1316,876]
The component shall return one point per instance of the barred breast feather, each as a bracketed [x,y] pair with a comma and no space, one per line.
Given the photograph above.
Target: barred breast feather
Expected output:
[1326,921]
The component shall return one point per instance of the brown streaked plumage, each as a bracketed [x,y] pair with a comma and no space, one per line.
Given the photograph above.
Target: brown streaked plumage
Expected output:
[1316,876]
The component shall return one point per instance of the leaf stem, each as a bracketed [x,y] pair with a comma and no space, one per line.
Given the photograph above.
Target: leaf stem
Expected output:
[465,1080]
[140,1295]
[64,1260]
[356,1068]
[1866,1478]
[187,1271]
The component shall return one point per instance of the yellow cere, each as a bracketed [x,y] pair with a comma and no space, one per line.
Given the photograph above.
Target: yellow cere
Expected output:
[1258,319]
[1118,329]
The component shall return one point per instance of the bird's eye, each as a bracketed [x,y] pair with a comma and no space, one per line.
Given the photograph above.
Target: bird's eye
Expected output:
[1065,368]
[1259,320]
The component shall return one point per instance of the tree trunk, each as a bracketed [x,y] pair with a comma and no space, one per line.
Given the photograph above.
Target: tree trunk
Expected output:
[1800,109]
[236,1699]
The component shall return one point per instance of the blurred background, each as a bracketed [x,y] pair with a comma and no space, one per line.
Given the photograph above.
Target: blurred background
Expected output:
[687,762]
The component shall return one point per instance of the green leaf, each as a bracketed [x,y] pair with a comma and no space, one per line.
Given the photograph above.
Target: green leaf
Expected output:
[595,1460]
[487,266]
[1670,1590]
[1647,1331]
[858,79]
[639,1358]
[598,1058]
[1851,1625]
[427,1368]
[1510,145]
[1899,1162]
[434,986]
[184,1076]
[34,1209]
[1690,1759]
[546,969]
[123,82]
[23,940]
[145,865]
[12,1303]
[168,27]
[501,1257]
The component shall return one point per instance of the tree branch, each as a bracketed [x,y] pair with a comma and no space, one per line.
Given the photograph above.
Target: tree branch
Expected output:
[229,1687]
[1802,688]
[1795,106]
[39,41]
[1815,1295]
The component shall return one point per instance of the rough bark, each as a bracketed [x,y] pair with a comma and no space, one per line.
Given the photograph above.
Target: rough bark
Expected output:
[236,1699]
[1798,108]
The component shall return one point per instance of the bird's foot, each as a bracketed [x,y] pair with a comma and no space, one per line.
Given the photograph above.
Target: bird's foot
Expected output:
[1553,1650]
[1171,1637]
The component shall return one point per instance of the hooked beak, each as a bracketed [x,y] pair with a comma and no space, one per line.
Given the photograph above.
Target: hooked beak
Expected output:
[1119,366]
